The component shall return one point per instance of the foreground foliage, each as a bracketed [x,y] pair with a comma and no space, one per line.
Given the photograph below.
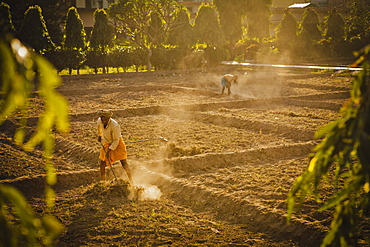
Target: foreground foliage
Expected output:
[344,150]
[18,68]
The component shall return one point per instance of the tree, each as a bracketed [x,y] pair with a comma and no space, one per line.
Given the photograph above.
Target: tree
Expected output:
[137,56]
[33,31]
[60,58]
[208,31]
[17,72]
[145,22]
[237,16]
[102,32]
[358,22]
[183,35]
[286,31]
[6,24]
[207,26]
[334,26]
[166,58]
[310,25]
[258,18]
[54,18]
[335,32]
[75,35]
[358,19]
[233,14]
[156,27]
[230,15]
[100,40]
[51,10]
[343,156]
[309,35]
[17,9]
[74,39]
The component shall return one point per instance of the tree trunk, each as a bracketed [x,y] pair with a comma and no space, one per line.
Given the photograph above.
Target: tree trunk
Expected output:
[231,49]
[149,58]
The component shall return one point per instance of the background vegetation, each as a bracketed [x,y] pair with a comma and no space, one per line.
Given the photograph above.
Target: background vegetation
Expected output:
[222,30]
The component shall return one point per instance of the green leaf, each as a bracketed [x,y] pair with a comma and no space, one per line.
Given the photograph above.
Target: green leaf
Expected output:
[52,227]
[326,129]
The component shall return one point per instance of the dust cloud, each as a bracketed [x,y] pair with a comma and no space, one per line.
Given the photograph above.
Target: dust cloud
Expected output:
[203,88]
[150,193]
[144,179]
[142,189]
[252,83]
[261,84]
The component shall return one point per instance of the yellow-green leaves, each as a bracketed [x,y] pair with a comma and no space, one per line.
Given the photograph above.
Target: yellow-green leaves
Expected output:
[12,202]
[19,69]
[343,155]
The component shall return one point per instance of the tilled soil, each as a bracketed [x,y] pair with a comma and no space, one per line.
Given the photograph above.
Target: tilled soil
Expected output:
[222,177]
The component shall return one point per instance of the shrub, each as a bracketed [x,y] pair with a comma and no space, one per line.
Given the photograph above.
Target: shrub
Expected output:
[120,57]
[216,55]
[96,59]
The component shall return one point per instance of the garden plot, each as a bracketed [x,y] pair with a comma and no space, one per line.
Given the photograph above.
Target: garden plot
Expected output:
[223,174]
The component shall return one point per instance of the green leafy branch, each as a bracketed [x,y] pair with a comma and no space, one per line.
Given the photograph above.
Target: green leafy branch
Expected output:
[344,150]
[19,68]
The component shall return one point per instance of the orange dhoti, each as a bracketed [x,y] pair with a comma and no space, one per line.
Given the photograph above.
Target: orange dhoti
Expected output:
[119,153]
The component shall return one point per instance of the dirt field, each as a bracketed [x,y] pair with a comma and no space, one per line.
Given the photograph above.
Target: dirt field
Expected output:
[220,180]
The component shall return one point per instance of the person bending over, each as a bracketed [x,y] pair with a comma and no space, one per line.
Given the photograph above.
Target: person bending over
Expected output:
[226,82]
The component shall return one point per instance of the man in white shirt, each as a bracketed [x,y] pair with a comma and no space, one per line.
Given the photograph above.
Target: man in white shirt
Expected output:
[109,134]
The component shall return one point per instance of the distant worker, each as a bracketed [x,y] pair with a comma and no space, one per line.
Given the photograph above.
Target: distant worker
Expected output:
[109,135]
[226,82]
